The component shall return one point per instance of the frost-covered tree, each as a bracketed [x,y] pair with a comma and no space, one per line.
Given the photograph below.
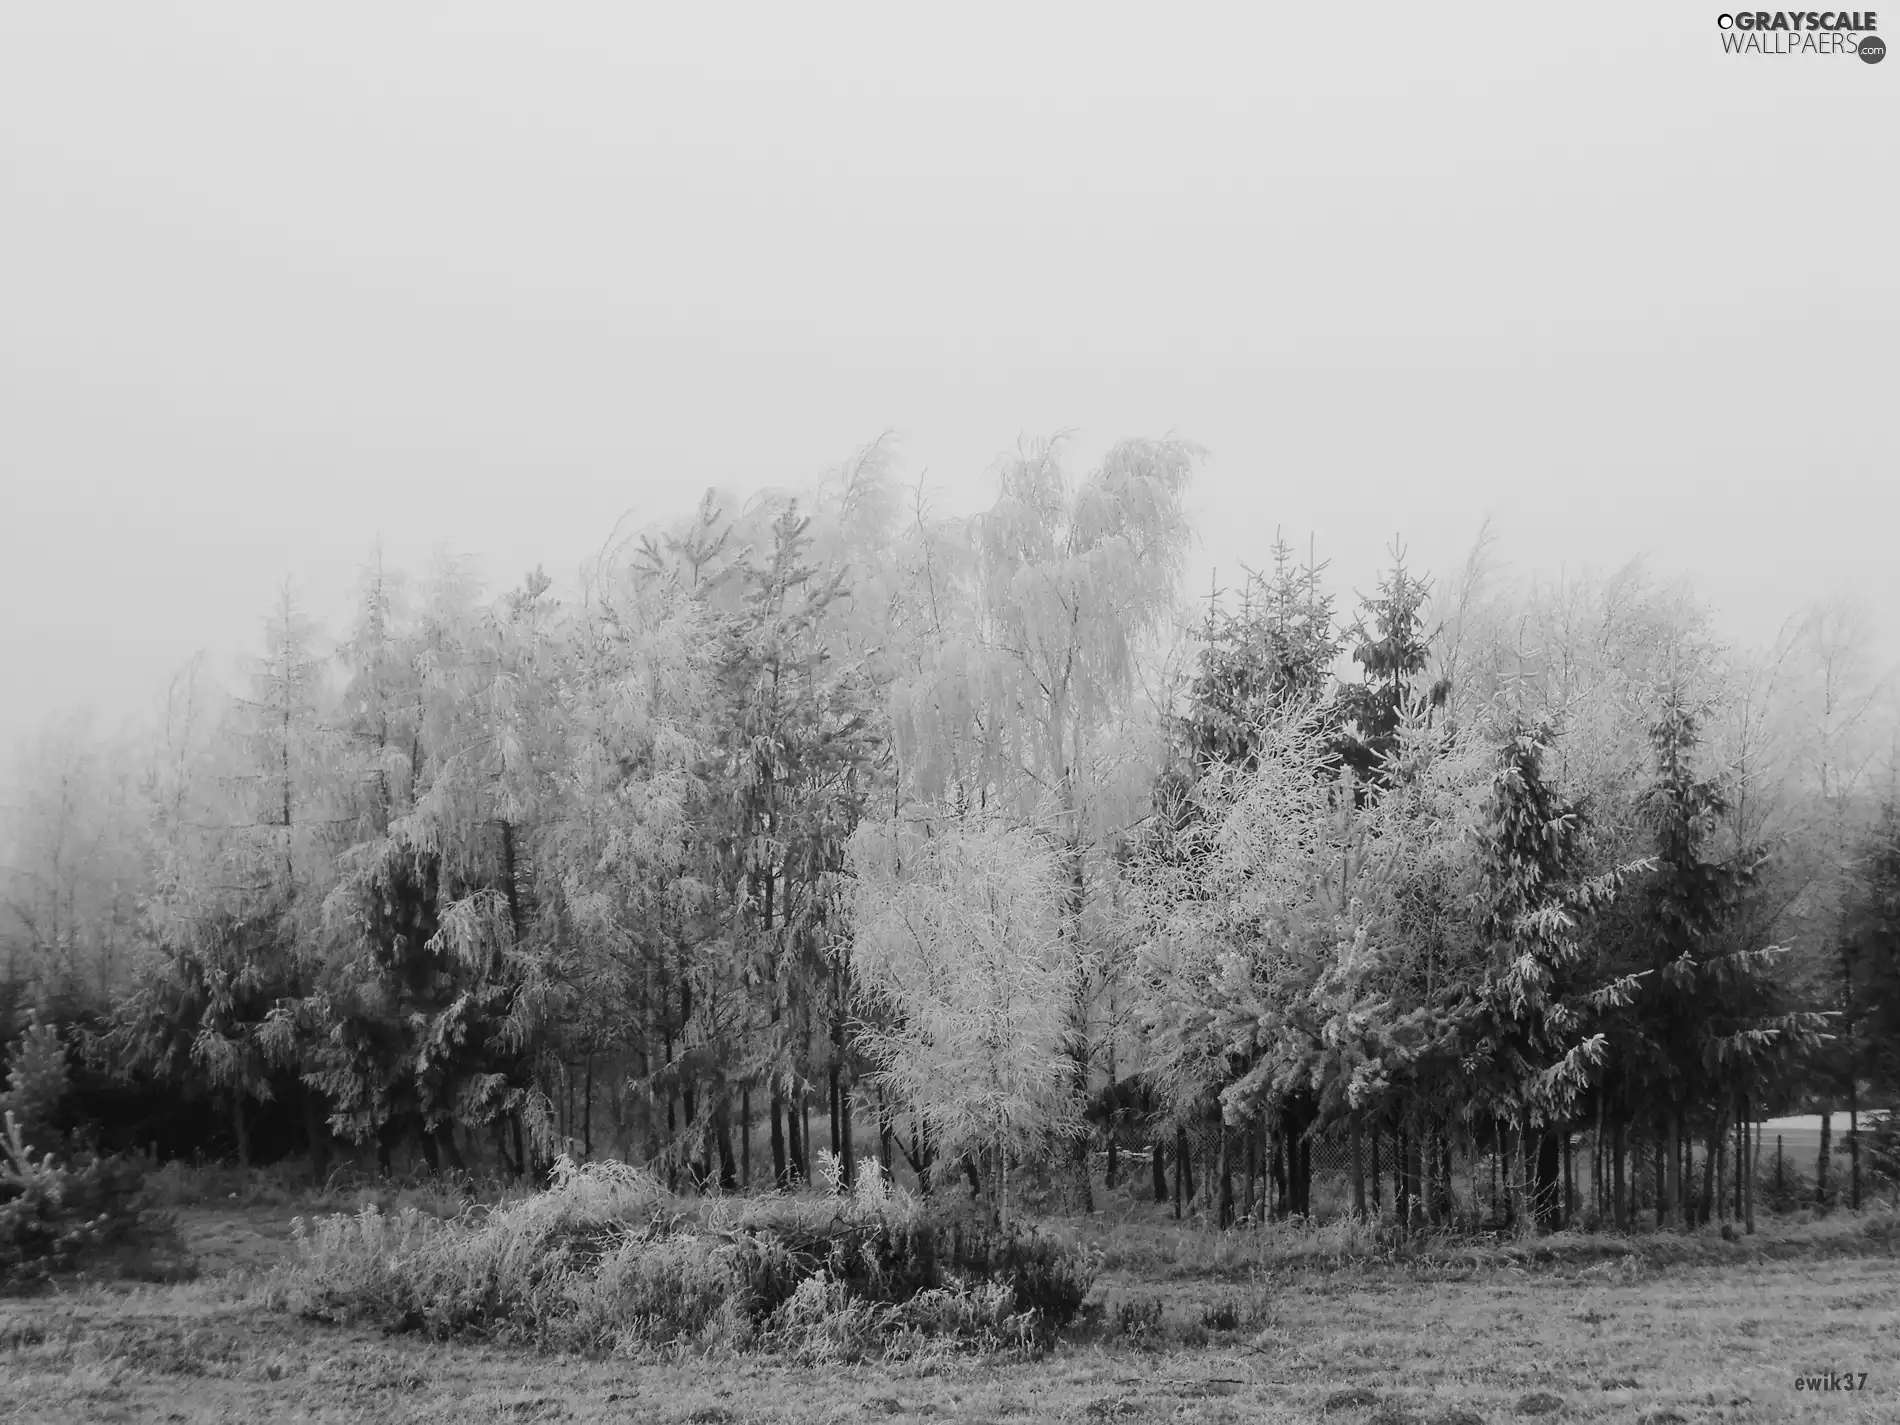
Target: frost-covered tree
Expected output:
[958,942]
[1023,706]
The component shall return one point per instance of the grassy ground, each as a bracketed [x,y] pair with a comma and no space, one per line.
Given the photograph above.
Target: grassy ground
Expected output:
[1271,1326]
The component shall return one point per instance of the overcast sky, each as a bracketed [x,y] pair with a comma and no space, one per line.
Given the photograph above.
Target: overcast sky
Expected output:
[276,281]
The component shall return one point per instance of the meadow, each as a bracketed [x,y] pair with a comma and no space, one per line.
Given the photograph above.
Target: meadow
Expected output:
[1283,1322]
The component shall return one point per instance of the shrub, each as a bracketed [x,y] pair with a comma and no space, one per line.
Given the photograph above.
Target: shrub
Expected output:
[38,1080]
[52,1215]
[607,1259]
[1139,1318]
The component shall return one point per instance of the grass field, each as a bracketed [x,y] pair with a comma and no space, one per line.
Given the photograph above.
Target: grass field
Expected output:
[1272,1326]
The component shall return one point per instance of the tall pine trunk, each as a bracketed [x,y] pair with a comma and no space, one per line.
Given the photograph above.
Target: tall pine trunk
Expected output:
[1706,1207]
[1619,1200]
[1672,1213]
[1827,1148]
[1549,1166]
[1853,1141]
[1753,1153]
[1180,1169]
[847,1152]
[1358,1168]
[781,1167]
[804,1134]
[722,1142]
[316,1134]
[1226,1203]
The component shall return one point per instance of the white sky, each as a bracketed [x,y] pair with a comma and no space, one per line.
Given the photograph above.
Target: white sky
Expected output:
[277,280]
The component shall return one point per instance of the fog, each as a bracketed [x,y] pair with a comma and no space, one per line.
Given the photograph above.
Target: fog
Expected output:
[278,284]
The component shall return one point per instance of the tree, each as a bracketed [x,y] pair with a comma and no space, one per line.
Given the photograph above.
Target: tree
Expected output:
[231,912]
[438,982]
[958,939]
[1066,580]
[1528,1029]
[1705,1016]
[1390,642]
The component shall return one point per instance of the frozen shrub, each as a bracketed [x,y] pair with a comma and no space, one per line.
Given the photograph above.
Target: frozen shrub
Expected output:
[38,1079]
[53,1214]
[607,1259]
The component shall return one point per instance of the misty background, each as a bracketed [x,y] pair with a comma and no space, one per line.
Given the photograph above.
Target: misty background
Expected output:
[483,279]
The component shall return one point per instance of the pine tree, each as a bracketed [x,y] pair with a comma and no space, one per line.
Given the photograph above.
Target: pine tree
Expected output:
[1390,642]
[1529,1031]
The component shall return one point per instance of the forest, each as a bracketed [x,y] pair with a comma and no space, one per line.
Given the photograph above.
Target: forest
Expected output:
[815,829]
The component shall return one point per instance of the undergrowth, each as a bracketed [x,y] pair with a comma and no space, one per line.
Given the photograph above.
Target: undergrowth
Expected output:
[1345,1243]
[608,1260]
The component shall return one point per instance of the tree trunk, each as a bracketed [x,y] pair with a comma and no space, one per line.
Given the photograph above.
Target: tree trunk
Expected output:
[921,1155]
[1596,1169]
[794,1140]
[1415,1186]
[1549,1167]
[1079,1012]
[1210,1174]
[450,1152]
[1376,1173]
[1662,1180]
[1158,1165]
[241,1129]
[722,1135]
[1276,1166]
[1497,1151]
[587,1111]
[1569,1181]
[1181,1190]
[1853,1141]
[1401,1189]
[1253,1176]
[1672,1209]
[1827,1147]
[1706,1207]
[847,1152]
[781,1168]
[1358,1168]
[1444,1172]
[831,1108]
[1619,1201]
[1753,1141]
[745,1137]
[1226,1205]
[316,1134]
[804,1135]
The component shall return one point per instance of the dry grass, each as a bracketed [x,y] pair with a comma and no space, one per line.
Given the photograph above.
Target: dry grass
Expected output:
[1189,1328]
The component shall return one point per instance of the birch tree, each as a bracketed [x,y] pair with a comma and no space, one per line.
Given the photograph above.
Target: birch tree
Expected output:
[959,941]
[1067,583]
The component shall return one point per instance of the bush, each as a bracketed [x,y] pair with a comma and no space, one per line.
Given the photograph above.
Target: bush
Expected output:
[38,1080]
[609,1260]
[51,1215]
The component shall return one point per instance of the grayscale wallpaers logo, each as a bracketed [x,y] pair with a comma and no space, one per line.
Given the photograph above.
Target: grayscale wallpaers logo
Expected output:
[1838,32]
